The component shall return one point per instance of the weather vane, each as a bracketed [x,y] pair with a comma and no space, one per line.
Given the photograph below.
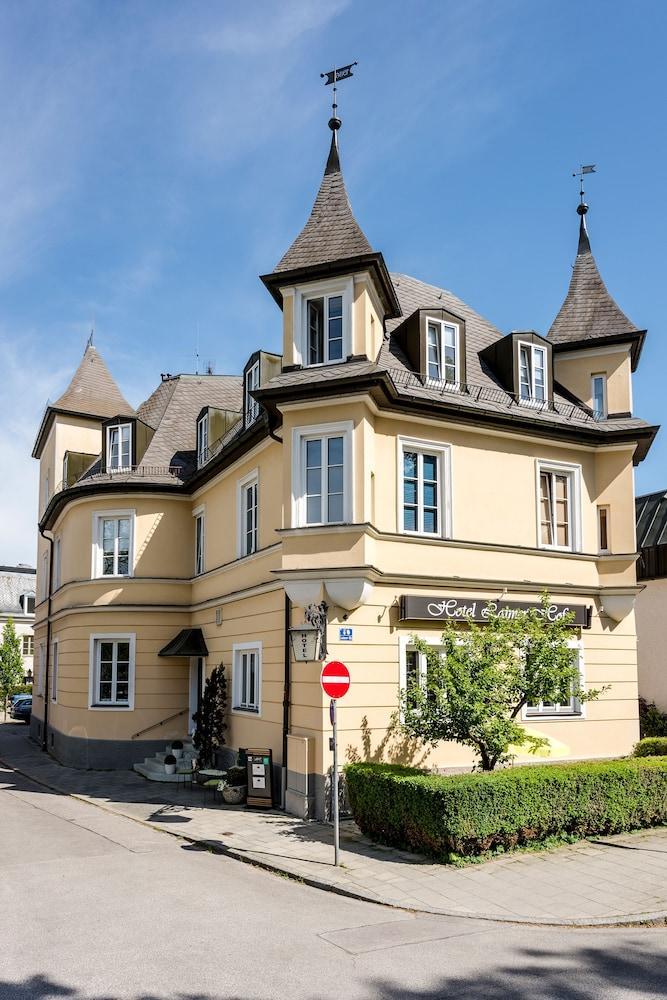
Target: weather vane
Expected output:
[588,169]
[333,76]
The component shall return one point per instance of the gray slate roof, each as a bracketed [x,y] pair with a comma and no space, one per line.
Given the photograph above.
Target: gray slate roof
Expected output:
[651,513]
[332,232]
[93,390]
[15,581]
[589,311]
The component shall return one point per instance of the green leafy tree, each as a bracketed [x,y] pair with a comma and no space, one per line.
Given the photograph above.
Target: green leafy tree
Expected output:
[477,685]
[11,663]
[210,720]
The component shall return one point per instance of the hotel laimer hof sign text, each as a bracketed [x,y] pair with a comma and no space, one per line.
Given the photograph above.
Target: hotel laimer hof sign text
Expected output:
[445,609]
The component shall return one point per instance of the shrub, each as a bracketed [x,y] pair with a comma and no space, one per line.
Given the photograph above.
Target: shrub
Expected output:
[652,722]
[651,746]
[469,814]
[236,776]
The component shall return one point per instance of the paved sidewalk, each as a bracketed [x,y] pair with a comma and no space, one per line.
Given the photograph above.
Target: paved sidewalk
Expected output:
[621,879]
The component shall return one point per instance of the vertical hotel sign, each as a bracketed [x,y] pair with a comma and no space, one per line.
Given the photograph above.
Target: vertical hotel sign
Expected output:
[441,608]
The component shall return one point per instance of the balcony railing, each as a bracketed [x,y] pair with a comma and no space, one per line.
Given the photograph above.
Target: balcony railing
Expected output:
[130,473]
[488,394]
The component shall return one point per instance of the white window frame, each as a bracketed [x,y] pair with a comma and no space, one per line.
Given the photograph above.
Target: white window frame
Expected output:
[55,657]
[573,471]
[533,400]
[97,557]
[443,453]
[406,645]
[57,553]
[530,713]
[442,324]
[238,649]
[324,289]
[251,405]
[606,508]
[202,441]
[603,413]
[99,637]
[242,486]
[199,515]
[40,669]
[45,575]
[26,637]
[119,428]
[300,435]
[24,602]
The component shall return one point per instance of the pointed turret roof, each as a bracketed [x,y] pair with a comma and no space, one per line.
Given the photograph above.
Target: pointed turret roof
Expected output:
[332,241]
[93,390]
[589,313]
[332,232]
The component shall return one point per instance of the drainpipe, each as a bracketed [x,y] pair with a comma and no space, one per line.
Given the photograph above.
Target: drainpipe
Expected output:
[286,697]
[49,588]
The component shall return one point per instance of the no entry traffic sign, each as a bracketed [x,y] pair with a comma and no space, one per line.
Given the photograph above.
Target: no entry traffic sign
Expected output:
[335,679]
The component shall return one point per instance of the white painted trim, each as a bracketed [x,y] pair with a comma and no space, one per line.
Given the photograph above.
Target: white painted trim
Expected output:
[574,472]
[55,666]
[92,670]
[241,485]
[344,428]
[240,647]
[445,491]
[202,448]
[250,405]
[313,290]
[41,660]
[533,401]
[605,406]
[119,428]
[607,508]
[96,561]
[458,347]
[199,513]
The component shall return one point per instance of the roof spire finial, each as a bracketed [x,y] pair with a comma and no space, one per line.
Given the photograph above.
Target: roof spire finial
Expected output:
[582,208]
[333,76]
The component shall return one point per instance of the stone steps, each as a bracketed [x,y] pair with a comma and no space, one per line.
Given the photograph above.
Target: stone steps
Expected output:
[153,767]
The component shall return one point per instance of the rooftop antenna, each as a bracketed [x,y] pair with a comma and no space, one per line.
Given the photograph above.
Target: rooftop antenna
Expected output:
[333,76]
[197,352]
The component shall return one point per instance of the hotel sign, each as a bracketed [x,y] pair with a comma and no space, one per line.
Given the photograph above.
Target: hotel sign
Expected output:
[441,608]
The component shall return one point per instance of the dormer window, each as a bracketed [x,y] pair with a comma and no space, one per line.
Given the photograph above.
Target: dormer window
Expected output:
[251,383]
[532,373]
[202,441]
[119,447]
[442,351]
[28,604]
[323,322]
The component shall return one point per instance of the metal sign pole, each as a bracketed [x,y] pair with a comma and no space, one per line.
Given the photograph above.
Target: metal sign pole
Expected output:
[335,786]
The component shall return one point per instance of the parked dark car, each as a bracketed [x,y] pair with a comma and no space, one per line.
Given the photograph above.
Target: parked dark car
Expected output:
[13,698]
[21,710]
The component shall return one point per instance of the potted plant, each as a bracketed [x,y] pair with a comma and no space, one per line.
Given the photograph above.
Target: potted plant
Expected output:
[235,787]
[170,764]
[177,749]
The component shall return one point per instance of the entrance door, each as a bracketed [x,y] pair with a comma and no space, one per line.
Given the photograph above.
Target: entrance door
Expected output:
[196,689]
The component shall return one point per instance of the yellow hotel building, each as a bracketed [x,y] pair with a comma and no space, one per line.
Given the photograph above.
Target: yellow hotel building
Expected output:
[402,461]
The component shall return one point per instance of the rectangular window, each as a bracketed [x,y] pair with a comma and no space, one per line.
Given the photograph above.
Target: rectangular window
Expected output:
[56,563]
[112,670]
[113,551]
[324,328]
[65,464]
[442,362]
[28,604]
[247,667]
[202,441]
[119,450]
[199,542]
[558,507]
[532,373]
[27,645]
[572,707]
[54,670]
[249,506]
[251,405]
[40,669]
[423,486]
[323,462]
[599,396]
[603,529]
[45,575]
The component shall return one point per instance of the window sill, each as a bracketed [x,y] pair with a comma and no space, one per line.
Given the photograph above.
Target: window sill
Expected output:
[110,708]
[551,717]
[238,710]
[113,576]
[422,534]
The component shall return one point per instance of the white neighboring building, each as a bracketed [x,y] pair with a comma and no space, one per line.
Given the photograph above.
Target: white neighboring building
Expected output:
[17,601]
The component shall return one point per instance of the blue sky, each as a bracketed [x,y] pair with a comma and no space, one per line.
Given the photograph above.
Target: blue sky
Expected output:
[155,158]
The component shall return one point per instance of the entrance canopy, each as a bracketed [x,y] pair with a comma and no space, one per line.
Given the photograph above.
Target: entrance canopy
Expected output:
[188,642]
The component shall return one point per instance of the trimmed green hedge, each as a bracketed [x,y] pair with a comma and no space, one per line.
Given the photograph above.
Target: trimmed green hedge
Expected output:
[651,746]
[469,814]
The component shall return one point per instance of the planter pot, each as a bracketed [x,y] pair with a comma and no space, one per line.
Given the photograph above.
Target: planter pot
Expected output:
[170,769]
[234,795]
[177,754]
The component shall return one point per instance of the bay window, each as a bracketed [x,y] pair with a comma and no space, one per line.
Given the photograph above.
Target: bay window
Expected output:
[322,474]
[559,506]
[424,503]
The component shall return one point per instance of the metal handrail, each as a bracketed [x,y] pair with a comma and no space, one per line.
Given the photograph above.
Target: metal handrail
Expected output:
[108,476]
[161,723]
[484,393]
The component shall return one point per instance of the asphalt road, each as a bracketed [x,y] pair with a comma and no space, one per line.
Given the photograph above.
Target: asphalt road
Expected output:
[96,906]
